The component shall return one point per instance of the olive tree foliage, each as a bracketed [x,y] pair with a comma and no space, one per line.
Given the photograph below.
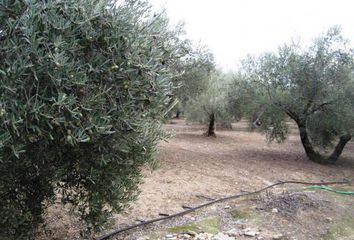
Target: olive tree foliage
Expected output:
[84,87]
[240,98]
[193,78]
[210,107]
[312,86]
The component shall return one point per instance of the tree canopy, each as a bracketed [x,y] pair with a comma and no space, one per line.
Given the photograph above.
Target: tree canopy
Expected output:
[195,71]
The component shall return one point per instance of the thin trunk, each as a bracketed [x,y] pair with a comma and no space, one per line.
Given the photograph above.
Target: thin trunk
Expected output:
[343,140]
[211,128]
[178,113]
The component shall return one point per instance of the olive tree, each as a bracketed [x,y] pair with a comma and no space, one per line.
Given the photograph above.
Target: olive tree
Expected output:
[210,106]
[312,86]
[193,78]
[84,87]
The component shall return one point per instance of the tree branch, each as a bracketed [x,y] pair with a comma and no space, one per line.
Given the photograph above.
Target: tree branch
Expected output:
[308,105]
[8,10]
[319,107]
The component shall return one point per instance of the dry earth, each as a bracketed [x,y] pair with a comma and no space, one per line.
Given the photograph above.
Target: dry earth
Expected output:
[236,160]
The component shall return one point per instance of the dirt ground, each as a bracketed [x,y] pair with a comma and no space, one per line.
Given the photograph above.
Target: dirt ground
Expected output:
[191,164]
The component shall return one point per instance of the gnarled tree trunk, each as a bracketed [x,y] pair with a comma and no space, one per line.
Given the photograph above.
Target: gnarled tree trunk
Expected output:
[315,156]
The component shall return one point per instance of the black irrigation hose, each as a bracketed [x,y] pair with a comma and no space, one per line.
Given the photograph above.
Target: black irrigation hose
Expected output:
[189,210]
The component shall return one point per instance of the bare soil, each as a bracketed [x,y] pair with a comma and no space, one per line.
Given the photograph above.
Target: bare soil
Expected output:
[191,164]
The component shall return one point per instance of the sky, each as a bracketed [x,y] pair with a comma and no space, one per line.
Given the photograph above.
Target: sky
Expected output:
[234,28]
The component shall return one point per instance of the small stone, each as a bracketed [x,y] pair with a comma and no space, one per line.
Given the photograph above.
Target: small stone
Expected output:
[328,219]
[250,232]
[227,207]
[192,218]
[240,222]
[204,236]
[186,236]
[259,238]
[274,210]
[170,237]
[222,236]
[233,233]
[278,236]
[191,233]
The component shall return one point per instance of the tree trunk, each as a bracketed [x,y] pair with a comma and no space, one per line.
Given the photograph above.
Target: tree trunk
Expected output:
[306,143]
[343,140]
[178,113]
[211,128]
[315,156]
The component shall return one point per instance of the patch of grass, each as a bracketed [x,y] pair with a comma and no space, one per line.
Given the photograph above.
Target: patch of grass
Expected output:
[248,214]
[240,214]
[209,225]
[343,230]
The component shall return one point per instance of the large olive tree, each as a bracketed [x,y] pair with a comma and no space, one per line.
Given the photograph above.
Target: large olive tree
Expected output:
[84,85]
[313,87]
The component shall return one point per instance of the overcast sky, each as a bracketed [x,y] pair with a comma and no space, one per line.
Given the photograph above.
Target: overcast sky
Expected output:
[234,28]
